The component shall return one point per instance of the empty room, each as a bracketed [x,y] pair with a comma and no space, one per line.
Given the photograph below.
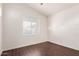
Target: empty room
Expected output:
[39,29]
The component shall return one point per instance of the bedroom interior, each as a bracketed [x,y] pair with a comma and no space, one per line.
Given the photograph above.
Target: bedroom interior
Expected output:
[39,29]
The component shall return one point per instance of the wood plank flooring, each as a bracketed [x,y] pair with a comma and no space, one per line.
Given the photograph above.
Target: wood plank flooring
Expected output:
[42,49]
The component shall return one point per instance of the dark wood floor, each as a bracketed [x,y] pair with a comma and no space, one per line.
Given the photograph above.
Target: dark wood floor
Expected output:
[42,49]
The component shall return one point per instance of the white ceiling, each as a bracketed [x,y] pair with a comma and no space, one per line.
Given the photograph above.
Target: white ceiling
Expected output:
[51,8]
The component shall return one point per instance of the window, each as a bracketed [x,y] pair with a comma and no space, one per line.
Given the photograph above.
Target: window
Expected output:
[30,26]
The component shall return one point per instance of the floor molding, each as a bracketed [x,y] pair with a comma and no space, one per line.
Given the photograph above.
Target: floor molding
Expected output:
[63,46]
[42,49]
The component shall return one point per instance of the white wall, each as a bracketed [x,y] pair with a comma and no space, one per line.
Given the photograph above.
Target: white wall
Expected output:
[0,31]
[12,26]
[64,28]
[0,35]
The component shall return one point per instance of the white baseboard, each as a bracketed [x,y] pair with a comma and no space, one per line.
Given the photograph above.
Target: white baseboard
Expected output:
[64,45]
[31,43]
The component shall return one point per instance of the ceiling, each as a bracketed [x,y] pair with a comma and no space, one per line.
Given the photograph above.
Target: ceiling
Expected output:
[51,8]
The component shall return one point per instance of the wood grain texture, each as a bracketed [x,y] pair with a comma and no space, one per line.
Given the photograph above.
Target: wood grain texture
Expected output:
[42,49]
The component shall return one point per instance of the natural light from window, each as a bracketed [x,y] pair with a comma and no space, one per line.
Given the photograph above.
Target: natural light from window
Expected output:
[30,26]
